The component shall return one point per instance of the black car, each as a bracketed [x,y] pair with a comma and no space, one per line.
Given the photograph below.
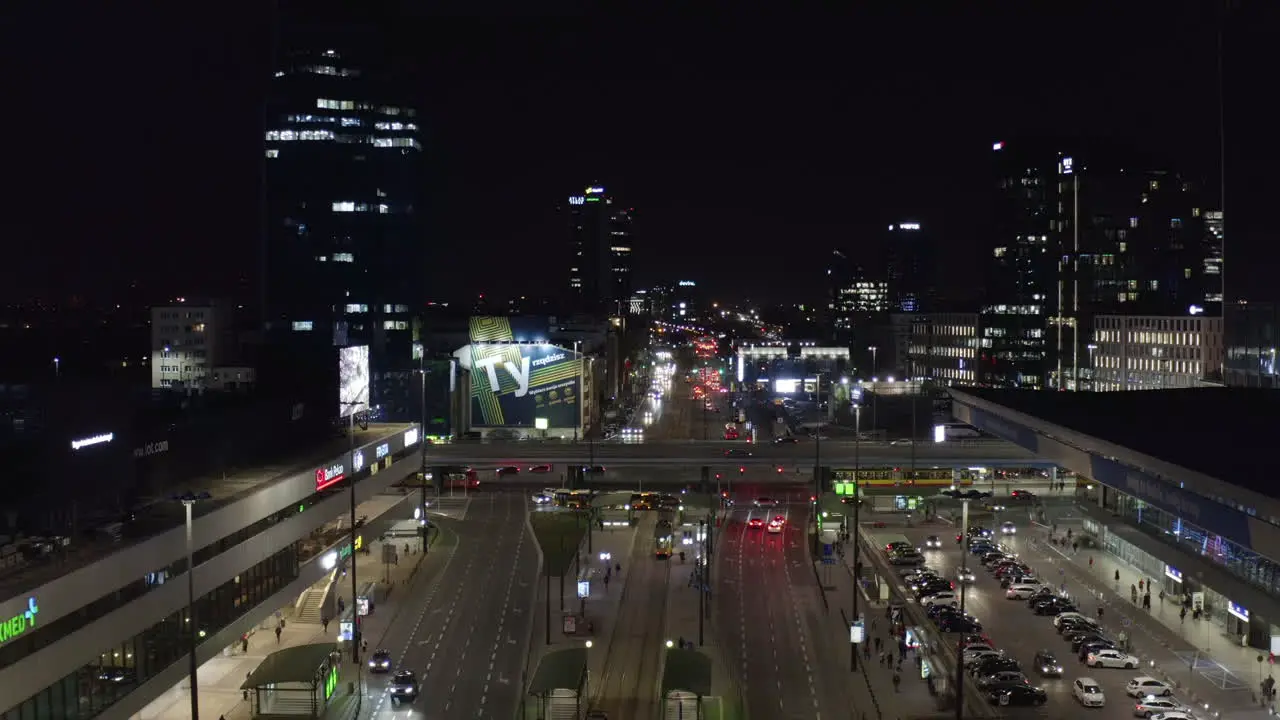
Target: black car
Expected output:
[957,624]
[940,609]
[1094,646]
[507,470]
[992,665]
[1018,695]
[1050,602]
[404,687]
[1046,663]
[906,557]
[1070,625]
[931,588]
[1080,638]
[1054,606]
[380,661]
[788,440]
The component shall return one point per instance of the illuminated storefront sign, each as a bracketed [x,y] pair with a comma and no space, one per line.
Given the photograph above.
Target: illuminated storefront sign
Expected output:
[331,680]
[410,436]
[1238,611]
[357,461]
[327,476]
[595,190]
[908,226]
[688,283]
[577,200]
[19,624]
[1172,573]
[382,451]
[90,441]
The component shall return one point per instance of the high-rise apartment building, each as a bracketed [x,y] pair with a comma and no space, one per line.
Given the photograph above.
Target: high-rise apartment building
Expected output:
[600,237]
[344,254]
[855,296]
[189,340]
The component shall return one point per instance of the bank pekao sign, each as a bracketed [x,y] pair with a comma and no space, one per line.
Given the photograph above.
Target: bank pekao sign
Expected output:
[19,624]
[327,476]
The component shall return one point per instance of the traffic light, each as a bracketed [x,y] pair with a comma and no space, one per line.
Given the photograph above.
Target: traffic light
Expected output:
[742,471]
[717,476]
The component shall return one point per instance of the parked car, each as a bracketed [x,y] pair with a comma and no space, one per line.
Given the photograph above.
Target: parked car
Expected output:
[1112,658]
[1145,685]
[1088,692]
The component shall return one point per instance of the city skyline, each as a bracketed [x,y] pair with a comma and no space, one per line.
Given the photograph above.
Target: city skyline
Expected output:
[759,164]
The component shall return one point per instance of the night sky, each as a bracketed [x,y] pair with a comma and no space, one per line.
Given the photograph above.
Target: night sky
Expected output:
[749,146]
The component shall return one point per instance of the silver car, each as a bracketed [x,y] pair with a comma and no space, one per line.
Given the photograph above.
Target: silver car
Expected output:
[1155,706]
[964,574]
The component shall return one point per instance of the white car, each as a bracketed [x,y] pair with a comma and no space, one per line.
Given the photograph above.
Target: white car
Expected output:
[1008,528]
[775,527]
[1021,591]
[1155,706]
[1088,692]
[942,598]
[964,575]
[1145,685]
[1112,659]
[975,647]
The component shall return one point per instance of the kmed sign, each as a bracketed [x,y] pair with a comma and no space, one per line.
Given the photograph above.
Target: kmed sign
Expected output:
[19,624]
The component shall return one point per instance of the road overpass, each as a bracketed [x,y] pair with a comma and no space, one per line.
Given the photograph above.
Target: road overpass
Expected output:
[830,453]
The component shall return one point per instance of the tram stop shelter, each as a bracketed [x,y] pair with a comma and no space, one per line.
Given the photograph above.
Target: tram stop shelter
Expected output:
[686,680]
[558,682]
[297,681]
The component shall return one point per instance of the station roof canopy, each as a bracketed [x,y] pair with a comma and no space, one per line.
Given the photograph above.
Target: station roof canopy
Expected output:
[687,670]
[1224,433]
[560,670]
[298,664]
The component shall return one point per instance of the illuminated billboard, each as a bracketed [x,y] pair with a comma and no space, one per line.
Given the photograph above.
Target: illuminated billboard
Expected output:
[513,384]
[353,380]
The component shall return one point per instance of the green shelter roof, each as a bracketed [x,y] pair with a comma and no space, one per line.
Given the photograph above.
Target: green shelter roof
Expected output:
[687,670]
[299,664]
[560,670]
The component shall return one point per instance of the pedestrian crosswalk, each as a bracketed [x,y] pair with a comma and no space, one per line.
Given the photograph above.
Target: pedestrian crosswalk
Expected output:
[452,507]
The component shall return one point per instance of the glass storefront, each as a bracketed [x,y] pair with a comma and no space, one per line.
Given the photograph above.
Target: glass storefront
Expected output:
[115,671]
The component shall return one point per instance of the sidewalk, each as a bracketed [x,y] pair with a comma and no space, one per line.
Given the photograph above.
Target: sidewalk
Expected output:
[912,697]
[221,677]
[600,609]
[682,624]
[1226,674]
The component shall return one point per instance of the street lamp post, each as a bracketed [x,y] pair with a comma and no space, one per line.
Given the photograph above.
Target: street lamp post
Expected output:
[188,501]
[875,371]
[355,612]
[964,570]
[817,465]
[425,528]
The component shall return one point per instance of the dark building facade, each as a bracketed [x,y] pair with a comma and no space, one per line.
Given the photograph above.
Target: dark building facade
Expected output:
[911,257]
[1081,230]
[1251,335]
[599,253]
[344,255]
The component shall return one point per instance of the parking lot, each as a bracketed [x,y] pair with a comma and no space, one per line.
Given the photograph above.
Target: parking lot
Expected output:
[1019,634]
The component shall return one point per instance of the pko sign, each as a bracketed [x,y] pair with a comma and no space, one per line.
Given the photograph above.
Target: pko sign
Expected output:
[19,624]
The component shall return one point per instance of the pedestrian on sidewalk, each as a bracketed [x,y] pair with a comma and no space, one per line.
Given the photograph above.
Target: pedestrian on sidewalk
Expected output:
[342,605]
[1141,584]
[879,643]
[1162,598]
[897,680]
[618,568]
[324,623]
[1075,547]
[244,644]
[1182,615]
[1117,578]
[606,581]
[278,631]
[1146,601]
[1090,562]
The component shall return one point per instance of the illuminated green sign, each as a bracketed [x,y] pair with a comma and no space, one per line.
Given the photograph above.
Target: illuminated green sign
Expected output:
[845,488]
[331,681]
[19,624]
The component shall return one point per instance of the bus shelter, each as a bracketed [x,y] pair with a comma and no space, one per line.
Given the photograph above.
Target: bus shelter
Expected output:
[297,681]
[559,682]
[686,680]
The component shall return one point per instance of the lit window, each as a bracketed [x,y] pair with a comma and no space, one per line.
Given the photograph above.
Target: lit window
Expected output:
[350,122]
[396,142]
[357,308]
[273,153]
[343,257]
[395,325]
[383,209]
[303,325]
[327,104]
[344,207]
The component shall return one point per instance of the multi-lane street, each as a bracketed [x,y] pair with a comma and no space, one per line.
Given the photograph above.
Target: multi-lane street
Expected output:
[464,635]
[770,612]
[630,682]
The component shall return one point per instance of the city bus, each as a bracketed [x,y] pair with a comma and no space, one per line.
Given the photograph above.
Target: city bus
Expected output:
[662,539]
